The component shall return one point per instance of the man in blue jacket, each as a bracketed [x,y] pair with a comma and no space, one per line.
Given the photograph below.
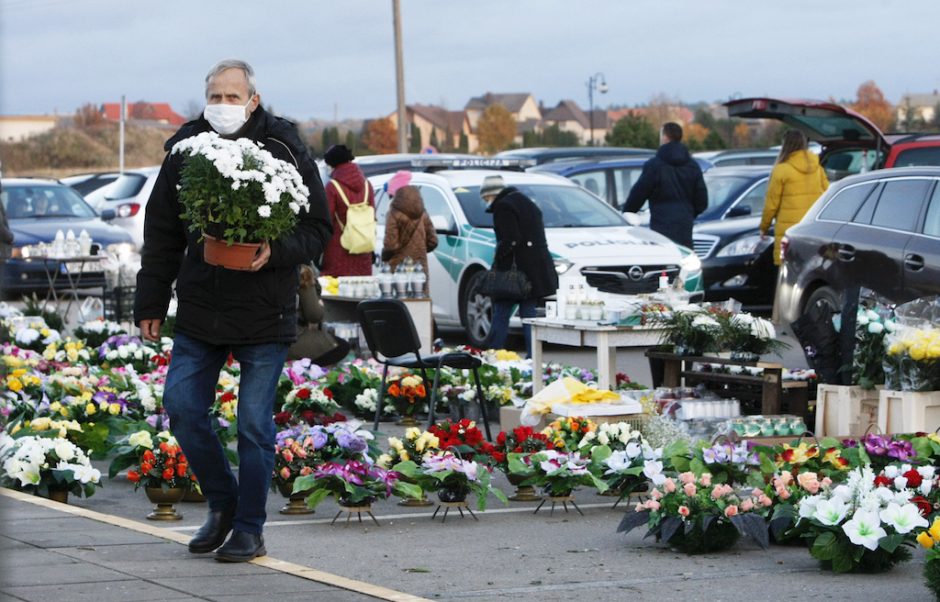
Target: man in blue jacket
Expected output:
[672,182]
[248,314]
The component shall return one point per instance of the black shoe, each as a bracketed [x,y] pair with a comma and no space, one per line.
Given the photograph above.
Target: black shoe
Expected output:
[241,547]
[213,532]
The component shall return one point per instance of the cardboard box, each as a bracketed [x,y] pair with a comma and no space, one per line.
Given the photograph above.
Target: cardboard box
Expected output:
[908,411]
[845,410]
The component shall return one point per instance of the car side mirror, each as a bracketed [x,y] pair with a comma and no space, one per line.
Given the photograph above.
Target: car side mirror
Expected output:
[441,226]
[739,211]
[107,215]
[632,218]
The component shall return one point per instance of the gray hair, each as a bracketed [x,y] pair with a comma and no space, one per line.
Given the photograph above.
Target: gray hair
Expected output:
[233,64]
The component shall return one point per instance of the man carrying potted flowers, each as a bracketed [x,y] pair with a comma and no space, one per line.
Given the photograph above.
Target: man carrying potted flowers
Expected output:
[248,313]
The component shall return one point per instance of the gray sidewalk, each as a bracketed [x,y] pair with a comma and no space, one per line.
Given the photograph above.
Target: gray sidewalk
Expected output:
[56,552]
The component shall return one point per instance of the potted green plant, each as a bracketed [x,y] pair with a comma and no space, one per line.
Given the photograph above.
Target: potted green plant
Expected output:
[235,193]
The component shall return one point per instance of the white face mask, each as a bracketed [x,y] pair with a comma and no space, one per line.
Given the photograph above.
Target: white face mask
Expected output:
[226,119]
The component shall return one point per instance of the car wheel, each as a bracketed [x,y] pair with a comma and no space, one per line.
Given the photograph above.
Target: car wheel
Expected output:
[824,295]
[477,311]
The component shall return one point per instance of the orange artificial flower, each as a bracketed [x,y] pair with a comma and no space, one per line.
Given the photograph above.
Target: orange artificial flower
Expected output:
[133,476]
[168,474]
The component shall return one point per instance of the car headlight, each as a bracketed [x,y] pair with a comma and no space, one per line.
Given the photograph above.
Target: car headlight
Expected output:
[121,249]
[562,266]
[746,245]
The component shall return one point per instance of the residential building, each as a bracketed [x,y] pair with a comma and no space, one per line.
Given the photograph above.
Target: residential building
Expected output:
[157,112]
[521,106]
[437,123]
[569,117]
[918,109]
[14,128]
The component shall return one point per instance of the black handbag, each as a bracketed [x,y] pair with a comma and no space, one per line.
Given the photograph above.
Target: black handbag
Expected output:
[506,285]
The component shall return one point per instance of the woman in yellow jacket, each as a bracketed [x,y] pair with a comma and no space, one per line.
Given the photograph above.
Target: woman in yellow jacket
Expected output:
[796,181]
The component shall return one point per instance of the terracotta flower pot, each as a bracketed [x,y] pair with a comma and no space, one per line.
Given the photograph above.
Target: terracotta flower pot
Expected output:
[237,256]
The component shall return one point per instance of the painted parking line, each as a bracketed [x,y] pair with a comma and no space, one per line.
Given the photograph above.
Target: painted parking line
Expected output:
[289,568]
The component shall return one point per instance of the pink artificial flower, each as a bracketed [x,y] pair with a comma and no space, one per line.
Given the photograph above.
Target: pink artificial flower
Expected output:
[687,477]
[285,473]
[765,501]
[785,477]
[731,510]
[706,480]
[809,481]
[305,471]
[689,489]
[783,493]
[747,505]
[756,492]
[652,504]
[657,494]
[826,482]
[669,485]
[287,455]
[717,492]
[683,510]
[640,507]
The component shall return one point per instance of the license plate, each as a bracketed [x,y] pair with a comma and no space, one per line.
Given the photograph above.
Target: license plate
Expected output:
[75,267]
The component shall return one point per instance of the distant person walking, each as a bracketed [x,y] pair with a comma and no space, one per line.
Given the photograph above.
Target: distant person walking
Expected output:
[408,228]
[672,182]
[347,186]
[796,181]
[520,240]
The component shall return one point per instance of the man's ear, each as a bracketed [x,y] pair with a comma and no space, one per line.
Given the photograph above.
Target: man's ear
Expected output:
[254,103]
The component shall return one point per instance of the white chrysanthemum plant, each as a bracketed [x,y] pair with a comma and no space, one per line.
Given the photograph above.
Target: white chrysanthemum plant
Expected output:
[237,191]
[748,336]
[40,464]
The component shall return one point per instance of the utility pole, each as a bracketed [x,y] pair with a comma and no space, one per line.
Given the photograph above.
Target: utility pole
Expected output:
[121,134]
[400,79]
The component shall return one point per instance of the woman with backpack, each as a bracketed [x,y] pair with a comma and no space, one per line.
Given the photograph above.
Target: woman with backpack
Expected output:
[347,188]
[408,228]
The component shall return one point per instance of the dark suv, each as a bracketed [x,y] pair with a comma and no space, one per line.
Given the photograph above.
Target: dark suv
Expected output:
[879,230]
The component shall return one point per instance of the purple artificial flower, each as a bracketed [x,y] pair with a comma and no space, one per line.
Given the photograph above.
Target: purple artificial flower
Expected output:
[876,445]
[318,437]
[350,441]
[709,455]
[901,450]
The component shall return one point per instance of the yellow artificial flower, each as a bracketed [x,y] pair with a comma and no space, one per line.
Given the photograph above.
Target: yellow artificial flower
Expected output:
[114,409]
[16,429]
[395,443]
[41,424]
[14,384]
[925,539]
[505,355]
[404,455]
[412,432]
[935,529]
[90,409]
[55,406]
[19,373]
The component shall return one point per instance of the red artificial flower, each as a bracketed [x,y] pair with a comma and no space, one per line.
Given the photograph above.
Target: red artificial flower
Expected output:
[913,478]
[309,416]
[882,481]
[230,360]
[181,470]
[923,505]
[148,456]
[328,393]
[168,474]
[282,418]
[133,476]
[303,394]
[226,397]
[787,455]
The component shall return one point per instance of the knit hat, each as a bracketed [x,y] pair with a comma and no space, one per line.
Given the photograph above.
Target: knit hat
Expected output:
[492,185]
[400,179]
[337,155]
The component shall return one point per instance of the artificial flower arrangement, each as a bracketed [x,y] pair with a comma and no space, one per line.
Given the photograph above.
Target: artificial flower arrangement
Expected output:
[66,351]
[452,477]
[237,191]
[729,463]
[567,433]
[462,437]
[414,445]
[96,332]
[522,440]
[310,403]
[41,463]
[826,458]
[868,356]
[408,393]
[355,387]
[33,334]
[353,483]
[697,515]
[915,353]
[296,454]
[125,350]
[346,441]
[865,525]
[630,469]
[748,337]
[155,461]
[930,541]
[879,451]
[690,329]
[786,491]
[557,473]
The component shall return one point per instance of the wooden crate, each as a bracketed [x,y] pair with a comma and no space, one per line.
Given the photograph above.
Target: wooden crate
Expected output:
[909,411]
[845,410]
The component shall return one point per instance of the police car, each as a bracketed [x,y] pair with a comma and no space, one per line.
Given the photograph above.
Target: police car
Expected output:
[590,241]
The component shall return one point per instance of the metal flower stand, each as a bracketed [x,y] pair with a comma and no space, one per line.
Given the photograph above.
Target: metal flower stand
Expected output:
[460,506]
[555,499]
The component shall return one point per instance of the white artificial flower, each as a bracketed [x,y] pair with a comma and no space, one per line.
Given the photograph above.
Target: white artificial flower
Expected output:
[903,518]
[862,319]
[873,315]
[633,450]
[64,449]
[617,461]
[653,470]
[264,211]
[900,482]
[807,506]
[876,328]
[603,439]
[864,529]
[843,493]
[891,471]
[141,439]
[831,512]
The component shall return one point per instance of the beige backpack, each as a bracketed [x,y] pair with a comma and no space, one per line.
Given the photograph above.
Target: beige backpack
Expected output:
[358,235]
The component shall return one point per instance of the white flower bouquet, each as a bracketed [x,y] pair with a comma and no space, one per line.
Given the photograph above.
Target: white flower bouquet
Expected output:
[236,191]
[863,525]
[40,464]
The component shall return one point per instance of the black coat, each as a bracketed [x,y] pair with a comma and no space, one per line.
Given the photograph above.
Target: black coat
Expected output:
[218,305]
[520,234]
[672,182]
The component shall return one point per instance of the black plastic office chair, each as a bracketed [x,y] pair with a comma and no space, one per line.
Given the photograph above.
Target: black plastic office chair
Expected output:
[393,340]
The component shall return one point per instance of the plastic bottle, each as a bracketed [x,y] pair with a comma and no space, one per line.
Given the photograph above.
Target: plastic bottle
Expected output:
[663,281]
[84,242]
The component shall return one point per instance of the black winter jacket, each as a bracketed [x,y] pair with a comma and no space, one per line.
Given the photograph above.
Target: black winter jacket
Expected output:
[673,183]
[218,305]
[520,234]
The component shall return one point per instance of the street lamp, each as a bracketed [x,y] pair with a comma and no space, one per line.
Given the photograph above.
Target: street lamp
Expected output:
[598,82]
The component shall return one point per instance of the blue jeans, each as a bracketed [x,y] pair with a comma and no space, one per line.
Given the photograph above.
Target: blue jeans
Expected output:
[499,330]
[187,398]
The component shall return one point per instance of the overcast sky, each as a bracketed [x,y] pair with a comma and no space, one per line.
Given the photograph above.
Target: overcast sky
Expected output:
[315,59]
